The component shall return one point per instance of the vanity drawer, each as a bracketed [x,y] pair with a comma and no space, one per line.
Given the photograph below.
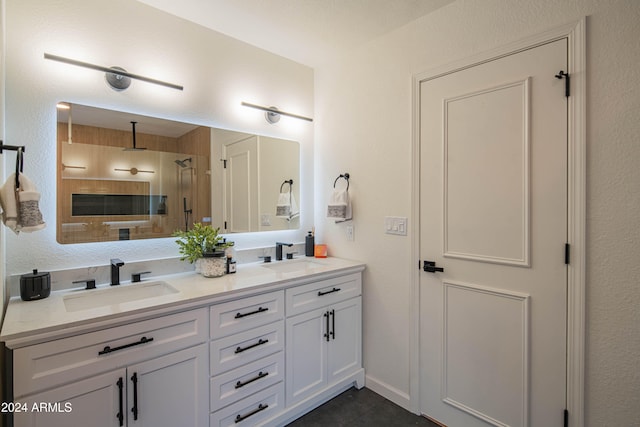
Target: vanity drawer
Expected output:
[246,313]
[252,411]
[236,350]
[301,299]
[234,385]
[53,363]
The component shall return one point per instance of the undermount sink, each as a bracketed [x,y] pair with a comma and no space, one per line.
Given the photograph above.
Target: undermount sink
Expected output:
[293,266]
[114,295]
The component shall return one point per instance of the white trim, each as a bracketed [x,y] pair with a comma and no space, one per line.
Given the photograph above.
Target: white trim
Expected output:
[576,34]
[388,392]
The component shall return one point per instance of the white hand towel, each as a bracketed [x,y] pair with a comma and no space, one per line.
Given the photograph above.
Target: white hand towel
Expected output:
[339,207]
[9,203]
[287,207]
[20,210]
[29,215]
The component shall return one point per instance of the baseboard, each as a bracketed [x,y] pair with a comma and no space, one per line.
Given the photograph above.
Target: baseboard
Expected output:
[297,410]
[398,397]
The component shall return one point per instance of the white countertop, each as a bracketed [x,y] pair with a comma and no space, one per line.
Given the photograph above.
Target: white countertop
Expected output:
[28,322]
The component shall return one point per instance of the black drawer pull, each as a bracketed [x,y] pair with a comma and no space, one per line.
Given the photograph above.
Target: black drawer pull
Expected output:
[257,377]
[259,310]
[320,293]
[108,349]
[260,342]
[260,407]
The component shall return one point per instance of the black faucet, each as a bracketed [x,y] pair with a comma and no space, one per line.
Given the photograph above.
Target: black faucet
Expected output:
[279,246]
[116,263]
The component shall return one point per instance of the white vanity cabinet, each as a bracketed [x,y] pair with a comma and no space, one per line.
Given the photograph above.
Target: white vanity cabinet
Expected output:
[150,373]
[255,349]
[324,338]
[247,360]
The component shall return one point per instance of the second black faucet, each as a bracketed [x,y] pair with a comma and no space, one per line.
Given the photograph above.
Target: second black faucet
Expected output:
[279,246]
[116,263]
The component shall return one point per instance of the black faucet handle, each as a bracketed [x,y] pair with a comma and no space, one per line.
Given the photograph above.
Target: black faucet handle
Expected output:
[117,262]
[91,283]
[135,277]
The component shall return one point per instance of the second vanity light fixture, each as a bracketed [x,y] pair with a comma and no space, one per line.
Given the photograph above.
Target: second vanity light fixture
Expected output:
[272,114]
[118,78]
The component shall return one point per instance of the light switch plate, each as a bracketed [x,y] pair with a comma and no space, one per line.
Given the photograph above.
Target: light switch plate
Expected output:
[395,225]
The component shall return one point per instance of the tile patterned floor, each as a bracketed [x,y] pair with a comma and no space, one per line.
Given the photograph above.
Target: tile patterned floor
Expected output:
[360,408]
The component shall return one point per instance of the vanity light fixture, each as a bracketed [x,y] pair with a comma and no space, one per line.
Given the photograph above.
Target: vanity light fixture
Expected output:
[64,167]
[272,114]
[132,171]
[118,78]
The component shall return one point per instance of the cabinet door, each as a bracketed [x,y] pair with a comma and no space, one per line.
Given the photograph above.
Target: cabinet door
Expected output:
[306,353]
[345,347]
[171,390]
[95,401]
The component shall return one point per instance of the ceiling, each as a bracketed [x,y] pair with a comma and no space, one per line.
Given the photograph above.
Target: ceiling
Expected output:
[306,31]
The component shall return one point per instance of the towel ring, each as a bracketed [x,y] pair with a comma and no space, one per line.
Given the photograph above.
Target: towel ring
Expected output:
[345,176]
[287,181]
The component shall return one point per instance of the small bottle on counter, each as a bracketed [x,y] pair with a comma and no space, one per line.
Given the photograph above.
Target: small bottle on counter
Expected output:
[231,265]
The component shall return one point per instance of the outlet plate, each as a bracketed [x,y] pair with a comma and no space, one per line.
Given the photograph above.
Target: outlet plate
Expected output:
[395,225]
[349,231]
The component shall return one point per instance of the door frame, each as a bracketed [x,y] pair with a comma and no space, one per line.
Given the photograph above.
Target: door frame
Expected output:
[575,33]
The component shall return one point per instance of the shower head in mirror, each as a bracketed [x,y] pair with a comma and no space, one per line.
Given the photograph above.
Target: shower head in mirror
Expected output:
[183,163]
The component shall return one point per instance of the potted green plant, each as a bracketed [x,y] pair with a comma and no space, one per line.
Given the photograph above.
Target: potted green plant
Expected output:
[192,244]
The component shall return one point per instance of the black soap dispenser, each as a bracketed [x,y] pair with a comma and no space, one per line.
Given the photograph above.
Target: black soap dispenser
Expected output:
[309,244]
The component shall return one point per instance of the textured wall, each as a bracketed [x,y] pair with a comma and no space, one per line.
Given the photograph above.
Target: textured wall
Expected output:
[364,104]
[217,73]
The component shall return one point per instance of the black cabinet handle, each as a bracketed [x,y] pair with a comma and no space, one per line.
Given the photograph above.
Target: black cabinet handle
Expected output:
[326,316]
[108,349]
[120,397]
[134,380]
[320,293]
[257,377]
[259,310]
[333,324]
[260,342]
[260,407]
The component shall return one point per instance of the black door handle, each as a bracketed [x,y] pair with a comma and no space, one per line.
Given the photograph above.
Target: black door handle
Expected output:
[134,410]
[120,397]
[430,267]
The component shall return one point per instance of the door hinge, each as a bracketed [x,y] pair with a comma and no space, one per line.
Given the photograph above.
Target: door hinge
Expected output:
[567,253]
[566,418]
[224,163]
[225,225]
[567,82]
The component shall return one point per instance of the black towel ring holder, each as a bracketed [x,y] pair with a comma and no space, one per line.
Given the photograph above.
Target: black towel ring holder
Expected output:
[19,158]
[345,176]
[287,181]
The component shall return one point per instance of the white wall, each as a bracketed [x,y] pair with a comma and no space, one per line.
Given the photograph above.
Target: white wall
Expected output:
[363,111]
[217,73]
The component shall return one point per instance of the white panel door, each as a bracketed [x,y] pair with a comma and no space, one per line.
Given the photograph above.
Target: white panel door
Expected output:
[306,354]
[345,345]
[171,390]
[242,186]
[493,215]
[98,401]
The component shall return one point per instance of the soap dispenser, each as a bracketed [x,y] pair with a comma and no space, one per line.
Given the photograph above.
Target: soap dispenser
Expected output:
[309,244]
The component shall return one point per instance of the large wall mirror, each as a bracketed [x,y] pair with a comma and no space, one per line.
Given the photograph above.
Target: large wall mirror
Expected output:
[123,176]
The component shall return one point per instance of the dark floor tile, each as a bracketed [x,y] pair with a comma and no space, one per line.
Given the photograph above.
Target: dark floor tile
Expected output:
[360,408]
